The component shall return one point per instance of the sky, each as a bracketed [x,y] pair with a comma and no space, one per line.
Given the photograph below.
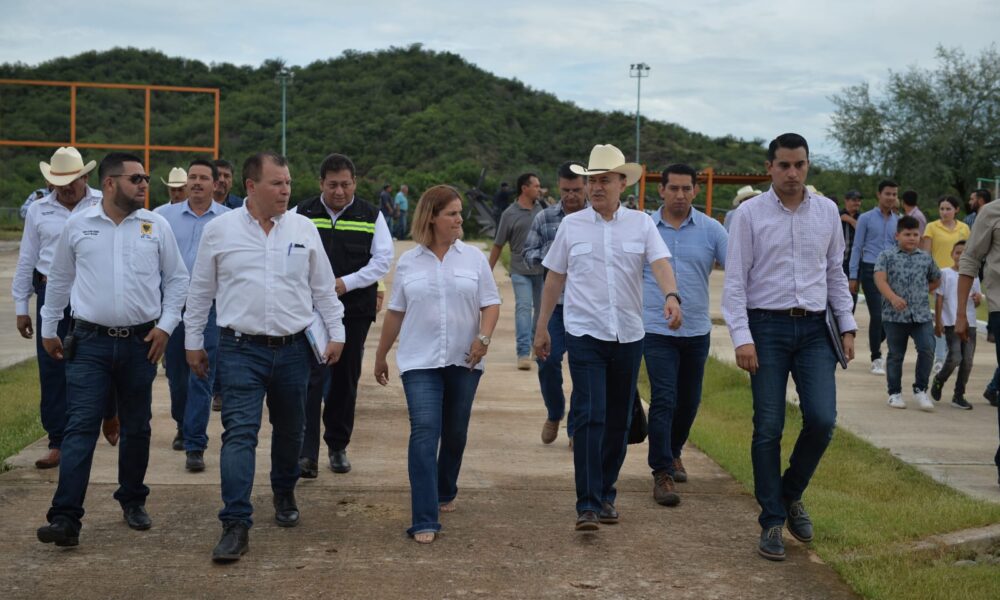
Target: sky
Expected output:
[748,68]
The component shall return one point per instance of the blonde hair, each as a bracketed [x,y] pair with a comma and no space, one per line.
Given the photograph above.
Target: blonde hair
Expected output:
[430,204]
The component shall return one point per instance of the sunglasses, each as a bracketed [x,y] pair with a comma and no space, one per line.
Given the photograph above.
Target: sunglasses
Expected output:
[136,178]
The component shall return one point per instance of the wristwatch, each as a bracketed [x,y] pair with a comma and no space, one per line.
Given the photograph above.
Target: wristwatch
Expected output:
[483,339]
[675,295]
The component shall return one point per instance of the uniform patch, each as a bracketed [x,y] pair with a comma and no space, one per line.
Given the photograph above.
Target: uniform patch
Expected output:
[146,229]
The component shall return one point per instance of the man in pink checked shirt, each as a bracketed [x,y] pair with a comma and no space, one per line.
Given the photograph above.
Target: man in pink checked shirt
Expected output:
[783,272]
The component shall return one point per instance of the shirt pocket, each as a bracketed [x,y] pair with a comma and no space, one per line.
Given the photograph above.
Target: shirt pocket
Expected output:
[467,282]
[633,254]
[296,262]
[581,258]
[146,258]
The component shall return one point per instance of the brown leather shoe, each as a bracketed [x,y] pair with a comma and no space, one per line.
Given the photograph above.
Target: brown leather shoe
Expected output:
[550,431]
[50,460]
[663,490]
[112,429]
[680,475]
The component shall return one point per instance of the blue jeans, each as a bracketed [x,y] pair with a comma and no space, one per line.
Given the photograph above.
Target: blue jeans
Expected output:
[993,325]
[527,299]
[676,367]
[550,373]
[798,346]
[873,300]
[249,371]
[440,404]
[960,356]
[896,335]
[604,380]
[102,364]
[51,376]
[191,396]
[401,231]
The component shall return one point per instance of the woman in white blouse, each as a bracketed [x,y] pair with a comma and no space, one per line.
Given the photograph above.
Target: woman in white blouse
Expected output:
[443,307]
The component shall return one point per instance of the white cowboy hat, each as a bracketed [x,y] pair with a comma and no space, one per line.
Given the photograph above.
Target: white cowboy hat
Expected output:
[178,177]
[744,193]
[605,158]
[67,165]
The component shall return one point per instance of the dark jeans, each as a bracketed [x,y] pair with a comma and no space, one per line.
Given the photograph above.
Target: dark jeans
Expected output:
[550,373]
[190,395]
[51,375]
[102,364]
[897,335]
[249,371]
[676,367]
[960,355]
[798,346]
[604,381]
[993,325]
[338,384]
[440,404]
[873,300]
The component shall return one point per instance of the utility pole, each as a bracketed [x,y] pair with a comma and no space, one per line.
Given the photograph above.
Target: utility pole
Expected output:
[284,79]
[637,71]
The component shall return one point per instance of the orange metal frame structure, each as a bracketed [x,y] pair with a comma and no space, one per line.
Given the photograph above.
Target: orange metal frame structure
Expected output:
[146,147]
[708,178]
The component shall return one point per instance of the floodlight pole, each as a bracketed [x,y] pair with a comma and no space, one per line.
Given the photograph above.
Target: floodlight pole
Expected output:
[284,78]
[637,71]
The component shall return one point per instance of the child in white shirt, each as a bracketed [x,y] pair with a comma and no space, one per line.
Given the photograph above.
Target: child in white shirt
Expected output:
[959,353]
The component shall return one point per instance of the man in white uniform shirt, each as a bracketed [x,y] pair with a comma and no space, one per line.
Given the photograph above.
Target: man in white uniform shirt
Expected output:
[120,265]
[266,268]
[598,256]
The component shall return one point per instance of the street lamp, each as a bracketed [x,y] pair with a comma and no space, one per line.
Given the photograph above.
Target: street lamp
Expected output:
[637,71]
[284,79]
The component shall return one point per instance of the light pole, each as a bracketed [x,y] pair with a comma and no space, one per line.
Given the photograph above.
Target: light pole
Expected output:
[284,78]
[637,71]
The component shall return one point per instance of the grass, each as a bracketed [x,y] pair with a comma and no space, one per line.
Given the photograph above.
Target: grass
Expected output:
[8,235]
[20,424]
[863,501]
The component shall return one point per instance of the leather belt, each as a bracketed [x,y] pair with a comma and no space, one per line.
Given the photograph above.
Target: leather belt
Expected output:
[792,312]
[271,341]
[115,332]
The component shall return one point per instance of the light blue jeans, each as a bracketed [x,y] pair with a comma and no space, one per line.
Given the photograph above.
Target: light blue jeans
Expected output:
[527,299]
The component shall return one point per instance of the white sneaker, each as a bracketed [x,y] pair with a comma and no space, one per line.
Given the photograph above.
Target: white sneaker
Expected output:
[878,366]
[896,401]
[923,401]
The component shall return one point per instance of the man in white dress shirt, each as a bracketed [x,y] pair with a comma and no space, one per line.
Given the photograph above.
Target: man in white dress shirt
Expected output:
[120,265]
[266,269]
[598,256]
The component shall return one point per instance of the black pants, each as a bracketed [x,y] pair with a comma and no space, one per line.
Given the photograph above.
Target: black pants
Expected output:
[873,300]
[339,385]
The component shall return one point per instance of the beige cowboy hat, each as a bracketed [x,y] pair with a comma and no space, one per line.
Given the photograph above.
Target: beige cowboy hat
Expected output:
[605,158]
[67,165]
[744,193]
[813,191]
[178,177]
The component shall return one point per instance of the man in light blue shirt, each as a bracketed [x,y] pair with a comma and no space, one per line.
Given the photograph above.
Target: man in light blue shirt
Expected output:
[191,396]
[402,208]
[675,358]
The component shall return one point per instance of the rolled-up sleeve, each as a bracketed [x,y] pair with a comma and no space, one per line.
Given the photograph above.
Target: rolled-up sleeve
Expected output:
[488,292]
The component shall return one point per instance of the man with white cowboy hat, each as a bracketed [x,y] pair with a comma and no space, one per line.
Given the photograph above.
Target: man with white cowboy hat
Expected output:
[742,194]
[43,225]
[598,257]
[176,183]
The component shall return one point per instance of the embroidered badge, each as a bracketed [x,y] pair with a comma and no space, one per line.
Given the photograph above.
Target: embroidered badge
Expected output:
[146,230]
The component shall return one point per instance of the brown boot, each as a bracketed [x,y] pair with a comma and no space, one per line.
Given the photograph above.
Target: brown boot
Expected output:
[680,475]
[50,460]
[550,431]
[112,430]
[664,491]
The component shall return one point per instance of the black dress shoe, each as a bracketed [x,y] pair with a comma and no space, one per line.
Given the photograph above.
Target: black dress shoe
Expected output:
[799,523]
[771,546]
[195,461]
[60,533]
[308,469]
[286,513]
[137,517]
[178,443]
[587,521]
[608,515]
[339,462]
[234,543]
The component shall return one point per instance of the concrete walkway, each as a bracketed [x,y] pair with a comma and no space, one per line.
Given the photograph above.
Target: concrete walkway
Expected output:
[512,536]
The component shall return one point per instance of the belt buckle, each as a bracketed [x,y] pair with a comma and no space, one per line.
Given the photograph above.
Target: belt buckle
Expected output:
[797,312]
[275,341]
[119,332]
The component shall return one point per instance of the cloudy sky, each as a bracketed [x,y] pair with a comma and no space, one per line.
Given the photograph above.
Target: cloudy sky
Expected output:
[751,68]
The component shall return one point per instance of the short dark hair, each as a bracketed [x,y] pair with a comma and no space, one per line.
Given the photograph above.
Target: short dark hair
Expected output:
[564,171]
[953,201]
[907,222]
[957,244]
[680,169]
[909,198]
[886,183]
[790,141]
[984,195]
[206,163]
[221,163]
[112,163]
[524,179]
[335,162]
[253,166]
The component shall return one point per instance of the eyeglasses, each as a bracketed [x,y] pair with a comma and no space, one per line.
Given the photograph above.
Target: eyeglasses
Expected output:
[135,179]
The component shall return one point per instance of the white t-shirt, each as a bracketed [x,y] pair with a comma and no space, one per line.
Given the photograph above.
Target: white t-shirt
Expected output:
[948,290]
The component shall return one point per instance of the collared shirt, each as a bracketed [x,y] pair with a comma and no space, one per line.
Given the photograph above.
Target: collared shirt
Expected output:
[402,202]
[188,226]
[778,259]
[908,274]
[943,240]
[43,224]
[603,262]
[694,248]
[970,219]
[113,274]
[263,283]
[38,195]
[917,214]
[948,291]
[874,233]
[382,251]
[442,300]
[542,233]
[515,222]
[984,245]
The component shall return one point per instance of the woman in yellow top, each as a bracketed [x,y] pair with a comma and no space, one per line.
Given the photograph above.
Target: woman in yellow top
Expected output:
[939,239]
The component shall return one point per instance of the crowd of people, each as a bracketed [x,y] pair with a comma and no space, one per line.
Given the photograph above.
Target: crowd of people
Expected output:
[252,301]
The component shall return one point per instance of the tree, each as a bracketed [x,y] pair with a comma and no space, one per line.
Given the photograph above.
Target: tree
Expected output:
[933,130]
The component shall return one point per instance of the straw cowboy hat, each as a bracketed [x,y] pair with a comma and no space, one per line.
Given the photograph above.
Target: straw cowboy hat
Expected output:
[178,177]
[67,165]
[744,193]
[605,158]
